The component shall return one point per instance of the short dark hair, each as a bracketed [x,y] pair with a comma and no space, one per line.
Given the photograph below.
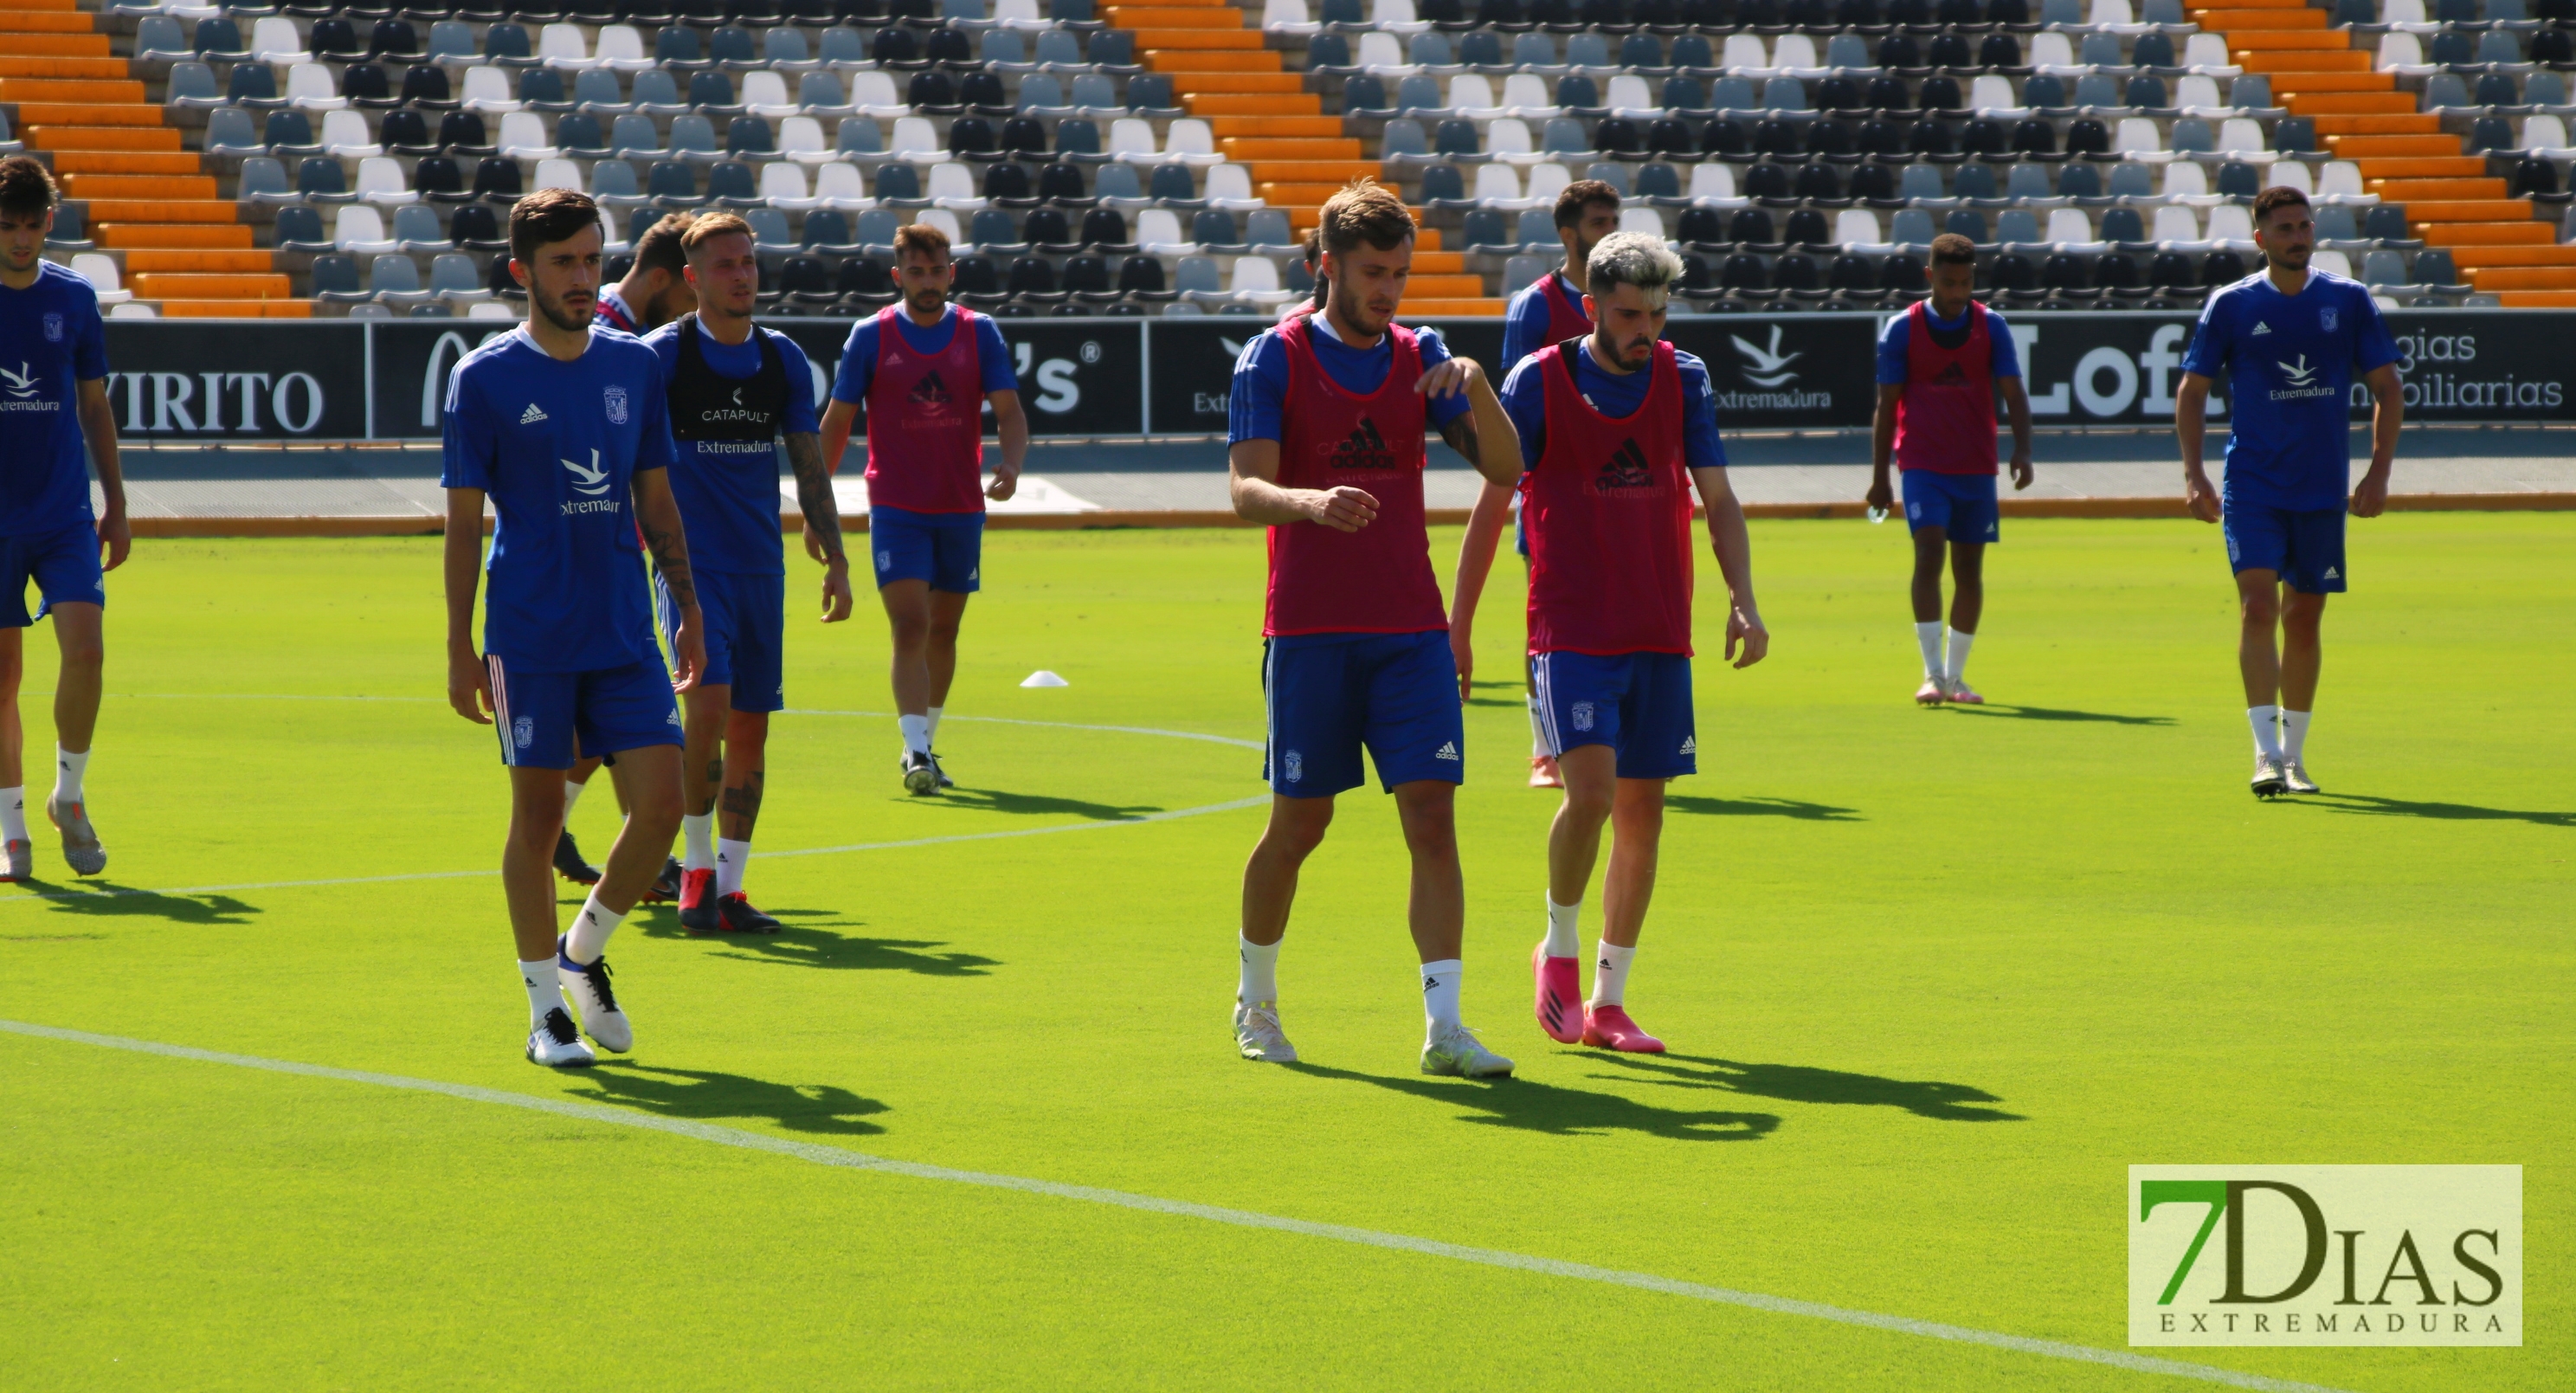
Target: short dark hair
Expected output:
[920,239]
[1951,249]
[1364,210]
[26,187]
[2277,196]
[1315,257]
[665,245]
[1582,194]
[706,227]
[548,215]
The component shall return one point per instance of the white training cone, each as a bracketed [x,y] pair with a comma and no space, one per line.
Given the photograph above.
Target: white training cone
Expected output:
[1044,678]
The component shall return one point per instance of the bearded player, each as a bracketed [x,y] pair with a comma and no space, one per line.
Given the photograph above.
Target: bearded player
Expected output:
[1327,421]
[1548,310]
[1618,428]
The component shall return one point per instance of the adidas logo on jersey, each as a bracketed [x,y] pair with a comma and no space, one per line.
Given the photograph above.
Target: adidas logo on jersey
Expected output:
[1625,469]
[531,416]
[2260,329]
[1364,448]
[1448,750]
[1951,375]
[930,391]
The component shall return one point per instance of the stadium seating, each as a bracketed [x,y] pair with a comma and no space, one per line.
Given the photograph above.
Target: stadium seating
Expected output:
[1799,153]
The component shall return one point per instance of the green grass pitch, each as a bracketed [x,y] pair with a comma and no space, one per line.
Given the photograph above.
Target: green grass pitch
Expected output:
[1932,979]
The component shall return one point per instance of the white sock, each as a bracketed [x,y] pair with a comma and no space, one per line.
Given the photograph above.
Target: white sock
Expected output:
[1260,978]
[590,930]
[2267,736]
[68,768]
[933,718]
[731,857]
[2294,731]
[1538,735]
[545,990]
[1440,994]
[1610,974]
[699,834]
[572,795]
[916,733]
[1562,941]
[13,814]
[1929,636]
[1957,663]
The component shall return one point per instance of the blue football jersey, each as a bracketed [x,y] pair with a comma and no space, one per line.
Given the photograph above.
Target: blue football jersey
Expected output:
[51,340]
[2290,361]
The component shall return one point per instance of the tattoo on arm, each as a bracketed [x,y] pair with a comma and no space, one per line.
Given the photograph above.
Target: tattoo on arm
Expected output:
[1461,435]
[814,495]
[670,550]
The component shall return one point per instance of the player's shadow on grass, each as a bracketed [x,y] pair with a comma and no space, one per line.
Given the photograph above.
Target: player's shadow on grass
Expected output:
[1761,807]
[701,1095]
[1798,1083]
[816,945]
[2441,812]
[1521,700]
[1529,1106]
[1037,805]
[102,898]
[2051,713]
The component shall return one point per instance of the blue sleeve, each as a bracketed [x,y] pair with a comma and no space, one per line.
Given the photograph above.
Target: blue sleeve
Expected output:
[801,415]
[1701,448]
[89,347]
[1892,356]
[1524,397]
[1435,351]
[2373,346]
[2007,357]
[858,364]
[466,461]
[654,447]
[995,355]
[1524,325]
[1260,390]
[2207,355]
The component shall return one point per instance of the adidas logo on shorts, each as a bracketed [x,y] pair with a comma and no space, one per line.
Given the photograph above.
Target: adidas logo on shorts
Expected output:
[1448,750]
[531,416]
[1690,745]
[2333,574]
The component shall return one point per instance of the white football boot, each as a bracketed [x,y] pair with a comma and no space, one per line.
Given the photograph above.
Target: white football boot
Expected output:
[1456,1051]
[2268,778]
[2294,778]
[590,990]
[1257,1033]
[555,1044]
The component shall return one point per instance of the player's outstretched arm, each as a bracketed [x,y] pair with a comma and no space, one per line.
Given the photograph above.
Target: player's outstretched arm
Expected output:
[814,498]
[1882,447]
[1485,525]
[469,687]
[2017,409]
[659,514]
[2387,413]
[1254,486]
[1012,424]
[98,427]
[838,418]
[2191,403]
[1734,547]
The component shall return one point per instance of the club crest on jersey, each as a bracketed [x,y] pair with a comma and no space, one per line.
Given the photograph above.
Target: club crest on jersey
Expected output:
[523,731]
[1625,469]
[1364,448]
[1582,713]
[616,399]
[2326,319]
[1292,766]
[53,328]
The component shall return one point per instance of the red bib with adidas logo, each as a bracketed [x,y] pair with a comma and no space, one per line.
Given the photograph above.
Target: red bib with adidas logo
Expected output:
[1377,580]
[926,421]
[1945,420]
[1609,516]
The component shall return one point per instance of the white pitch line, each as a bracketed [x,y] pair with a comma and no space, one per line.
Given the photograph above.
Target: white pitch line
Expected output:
[1241,1218]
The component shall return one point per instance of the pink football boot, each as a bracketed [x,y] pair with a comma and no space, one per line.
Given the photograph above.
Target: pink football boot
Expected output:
[1560,995]
[1608,1028]
[1544,773]
[1931,693]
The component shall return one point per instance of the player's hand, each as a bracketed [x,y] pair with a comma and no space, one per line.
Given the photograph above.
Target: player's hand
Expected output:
[1881,495]
[1744,626]
[836,590]
[1006,481]
[2021,474]
[2199,497]
[1342,509]
[469,684]
[1448,378]
[116,536]
[2370,496]
[1462,647]
[688,650]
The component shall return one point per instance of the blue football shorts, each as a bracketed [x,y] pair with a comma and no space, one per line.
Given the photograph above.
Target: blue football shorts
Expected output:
[1331,694]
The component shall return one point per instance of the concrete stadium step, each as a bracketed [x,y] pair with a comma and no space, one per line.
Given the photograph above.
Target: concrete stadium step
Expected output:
[2412,191]
[173,187]
[244,261]
[186,285]
[59,55]
[2424,166]
[64,90]
[1271,151]
[1268,82]
[1258,111]
[86,114]
[1145,19]
[237,309]
[2538,299]
[2500,210]
[2271,17]
[2363,147]
[2315,41]
[208,210]
[45,22]
[2390,123]
[2490,234]
[67,162]
[2496,278]
[1479,307]
[2321,103]
[1276,127]
[2544,254]
[1203,40]
[1214,60]
[65,138]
